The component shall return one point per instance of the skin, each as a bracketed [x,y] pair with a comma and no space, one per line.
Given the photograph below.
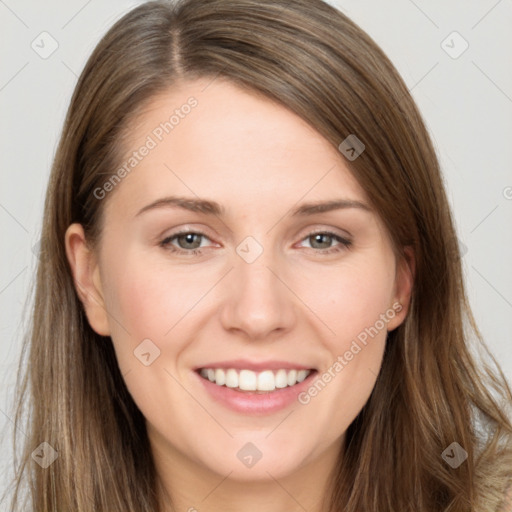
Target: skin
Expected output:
[292,303]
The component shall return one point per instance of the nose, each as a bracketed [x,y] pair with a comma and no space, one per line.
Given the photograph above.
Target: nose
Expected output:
[258,302]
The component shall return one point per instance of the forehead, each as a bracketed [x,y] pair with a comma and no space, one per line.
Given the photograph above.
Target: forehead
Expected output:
[214,139]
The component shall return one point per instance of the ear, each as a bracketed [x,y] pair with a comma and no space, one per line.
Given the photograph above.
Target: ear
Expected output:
[86,275]
[404,281]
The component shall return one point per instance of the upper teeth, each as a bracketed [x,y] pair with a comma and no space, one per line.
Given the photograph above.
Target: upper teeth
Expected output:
[248,380]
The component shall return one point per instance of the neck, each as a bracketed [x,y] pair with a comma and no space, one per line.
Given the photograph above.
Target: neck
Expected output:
[185,485]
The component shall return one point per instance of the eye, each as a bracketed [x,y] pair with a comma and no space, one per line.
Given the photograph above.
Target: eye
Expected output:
[189,242]
[323,240]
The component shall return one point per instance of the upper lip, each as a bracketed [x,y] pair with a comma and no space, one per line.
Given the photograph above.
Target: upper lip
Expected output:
[244,364]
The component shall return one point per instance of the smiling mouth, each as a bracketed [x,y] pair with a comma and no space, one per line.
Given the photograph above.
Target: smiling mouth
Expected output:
[265,381]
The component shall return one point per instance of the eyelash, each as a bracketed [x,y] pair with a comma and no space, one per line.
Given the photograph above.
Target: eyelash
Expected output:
[166,243]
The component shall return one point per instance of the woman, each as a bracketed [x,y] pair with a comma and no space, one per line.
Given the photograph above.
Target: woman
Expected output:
[312,351]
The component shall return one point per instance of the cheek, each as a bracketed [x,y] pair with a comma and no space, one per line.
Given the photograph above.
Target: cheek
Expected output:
[357,308]
[157,302]
[357,311]
[350,298]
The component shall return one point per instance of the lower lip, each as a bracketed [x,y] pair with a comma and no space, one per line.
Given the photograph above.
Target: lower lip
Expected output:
[254,402]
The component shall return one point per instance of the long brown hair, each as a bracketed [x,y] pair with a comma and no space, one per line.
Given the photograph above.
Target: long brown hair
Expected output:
[431,391]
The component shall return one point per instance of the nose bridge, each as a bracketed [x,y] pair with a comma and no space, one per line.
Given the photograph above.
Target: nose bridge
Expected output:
[258,303]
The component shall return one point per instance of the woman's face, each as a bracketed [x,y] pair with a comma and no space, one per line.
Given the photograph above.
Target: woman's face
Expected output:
[261,288]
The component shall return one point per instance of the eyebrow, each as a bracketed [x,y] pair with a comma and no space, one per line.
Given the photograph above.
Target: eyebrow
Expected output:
[213,208]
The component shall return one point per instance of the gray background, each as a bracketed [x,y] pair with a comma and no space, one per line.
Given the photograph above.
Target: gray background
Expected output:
[465,99]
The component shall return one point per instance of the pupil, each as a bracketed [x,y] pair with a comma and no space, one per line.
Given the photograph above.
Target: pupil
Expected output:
[318,238]
[189,237]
